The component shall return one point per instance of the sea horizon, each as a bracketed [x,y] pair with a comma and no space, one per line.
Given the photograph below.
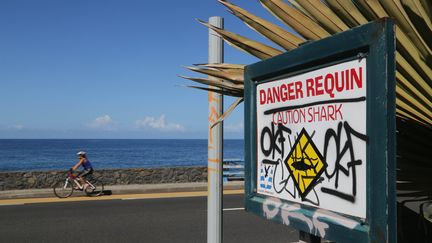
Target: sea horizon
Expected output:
[60,154]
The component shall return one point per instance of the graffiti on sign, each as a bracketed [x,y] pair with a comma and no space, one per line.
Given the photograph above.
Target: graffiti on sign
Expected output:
[312,138]
[273,208]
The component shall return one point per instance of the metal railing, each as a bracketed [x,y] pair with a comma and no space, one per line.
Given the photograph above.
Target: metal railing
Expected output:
[233,170]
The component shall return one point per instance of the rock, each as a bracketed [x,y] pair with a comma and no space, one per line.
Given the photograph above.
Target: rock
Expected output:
[45,179]
[42,177]
[31,181]
[180,172]
[156,178]
[143,173]
[182,178]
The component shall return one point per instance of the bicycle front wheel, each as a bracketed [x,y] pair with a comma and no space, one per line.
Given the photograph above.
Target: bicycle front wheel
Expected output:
[63,189]
[94,188]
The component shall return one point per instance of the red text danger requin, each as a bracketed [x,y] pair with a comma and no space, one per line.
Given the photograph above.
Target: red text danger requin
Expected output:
[327,84]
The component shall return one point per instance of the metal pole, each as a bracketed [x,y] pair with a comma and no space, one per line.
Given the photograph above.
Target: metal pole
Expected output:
[215,143]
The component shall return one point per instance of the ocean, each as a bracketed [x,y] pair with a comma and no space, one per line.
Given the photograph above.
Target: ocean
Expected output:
[60,154]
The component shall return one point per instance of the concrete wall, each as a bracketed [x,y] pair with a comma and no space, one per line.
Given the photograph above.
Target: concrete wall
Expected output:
[46,179]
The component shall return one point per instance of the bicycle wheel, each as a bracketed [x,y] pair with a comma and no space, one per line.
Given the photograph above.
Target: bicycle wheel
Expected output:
[63,189]
[95,188]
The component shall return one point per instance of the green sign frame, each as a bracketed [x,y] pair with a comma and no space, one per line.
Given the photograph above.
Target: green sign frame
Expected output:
[376,42]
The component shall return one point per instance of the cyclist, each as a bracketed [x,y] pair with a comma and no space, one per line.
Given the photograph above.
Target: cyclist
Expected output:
[87,168]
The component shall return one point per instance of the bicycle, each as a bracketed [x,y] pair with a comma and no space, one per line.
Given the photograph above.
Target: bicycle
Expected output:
[65,188]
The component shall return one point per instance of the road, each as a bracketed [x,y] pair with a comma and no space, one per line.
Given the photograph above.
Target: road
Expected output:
[181,219]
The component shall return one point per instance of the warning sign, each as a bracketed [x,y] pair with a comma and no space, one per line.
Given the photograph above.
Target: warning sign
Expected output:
[305,163]
[320,136]
[311,138]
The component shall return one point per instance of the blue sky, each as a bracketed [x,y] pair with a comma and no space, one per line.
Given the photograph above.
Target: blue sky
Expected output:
[107,69]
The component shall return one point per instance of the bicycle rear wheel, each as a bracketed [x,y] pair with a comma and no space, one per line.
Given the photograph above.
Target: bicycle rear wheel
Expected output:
[95,188]
[63,189]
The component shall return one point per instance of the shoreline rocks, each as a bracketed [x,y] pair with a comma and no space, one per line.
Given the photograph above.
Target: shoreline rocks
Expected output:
[46,179]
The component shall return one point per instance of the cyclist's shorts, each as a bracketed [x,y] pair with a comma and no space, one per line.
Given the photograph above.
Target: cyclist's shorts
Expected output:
[85,173]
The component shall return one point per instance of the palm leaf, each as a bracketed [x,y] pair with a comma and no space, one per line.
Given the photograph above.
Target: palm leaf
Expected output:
[405,46]
[255,48]
[348,12]
[218,74]
[396,10]
[411,74]
[271,31]
[229,66]
[413,91]
[427,6]
[407,97]
[300,8]
[401,104]
[420,19]
[232,72]
[325,17]
[228,111]
[216,83]
[300,22]
[401,114]
[216,90]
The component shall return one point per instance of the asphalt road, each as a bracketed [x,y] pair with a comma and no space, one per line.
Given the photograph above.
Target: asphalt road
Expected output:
[141,220]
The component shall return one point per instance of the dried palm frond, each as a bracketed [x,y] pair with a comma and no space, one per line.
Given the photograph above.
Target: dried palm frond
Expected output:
[228,111]
[283,38]
[216,90]
[254,48]
[218,73]
[294,18]
[226,85]
[348,12]
[300,8]
[324,16]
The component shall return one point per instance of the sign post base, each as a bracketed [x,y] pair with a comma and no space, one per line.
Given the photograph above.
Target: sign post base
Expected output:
[308,238]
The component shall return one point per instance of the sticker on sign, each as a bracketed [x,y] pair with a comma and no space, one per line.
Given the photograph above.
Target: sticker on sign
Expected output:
[311,146]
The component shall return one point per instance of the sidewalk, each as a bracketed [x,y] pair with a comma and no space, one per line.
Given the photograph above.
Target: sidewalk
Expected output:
[123,189]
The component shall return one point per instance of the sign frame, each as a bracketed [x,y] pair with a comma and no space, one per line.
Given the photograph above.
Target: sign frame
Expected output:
[376,42]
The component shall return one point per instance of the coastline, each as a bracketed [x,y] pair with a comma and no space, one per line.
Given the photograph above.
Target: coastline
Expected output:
[19,180]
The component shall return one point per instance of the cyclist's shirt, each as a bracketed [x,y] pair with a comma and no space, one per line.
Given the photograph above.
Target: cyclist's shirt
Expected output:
[87,165]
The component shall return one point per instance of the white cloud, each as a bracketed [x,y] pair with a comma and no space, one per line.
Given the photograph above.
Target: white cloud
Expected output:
[16,127]
[13,127]
[103,122]
[158,124]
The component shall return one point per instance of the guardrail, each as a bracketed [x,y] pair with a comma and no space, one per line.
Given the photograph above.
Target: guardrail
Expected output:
[233,170]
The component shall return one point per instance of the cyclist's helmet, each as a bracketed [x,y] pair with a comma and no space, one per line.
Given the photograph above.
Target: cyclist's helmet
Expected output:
[81,153]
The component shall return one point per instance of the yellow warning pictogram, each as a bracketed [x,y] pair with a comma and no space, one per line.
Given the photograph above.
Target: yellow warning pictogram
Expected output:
[305,163]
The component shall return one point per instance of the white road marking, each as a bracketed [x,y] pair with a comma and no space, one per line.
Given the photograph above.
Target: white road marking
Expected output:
[233,209]
[11,204]
[114,197]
